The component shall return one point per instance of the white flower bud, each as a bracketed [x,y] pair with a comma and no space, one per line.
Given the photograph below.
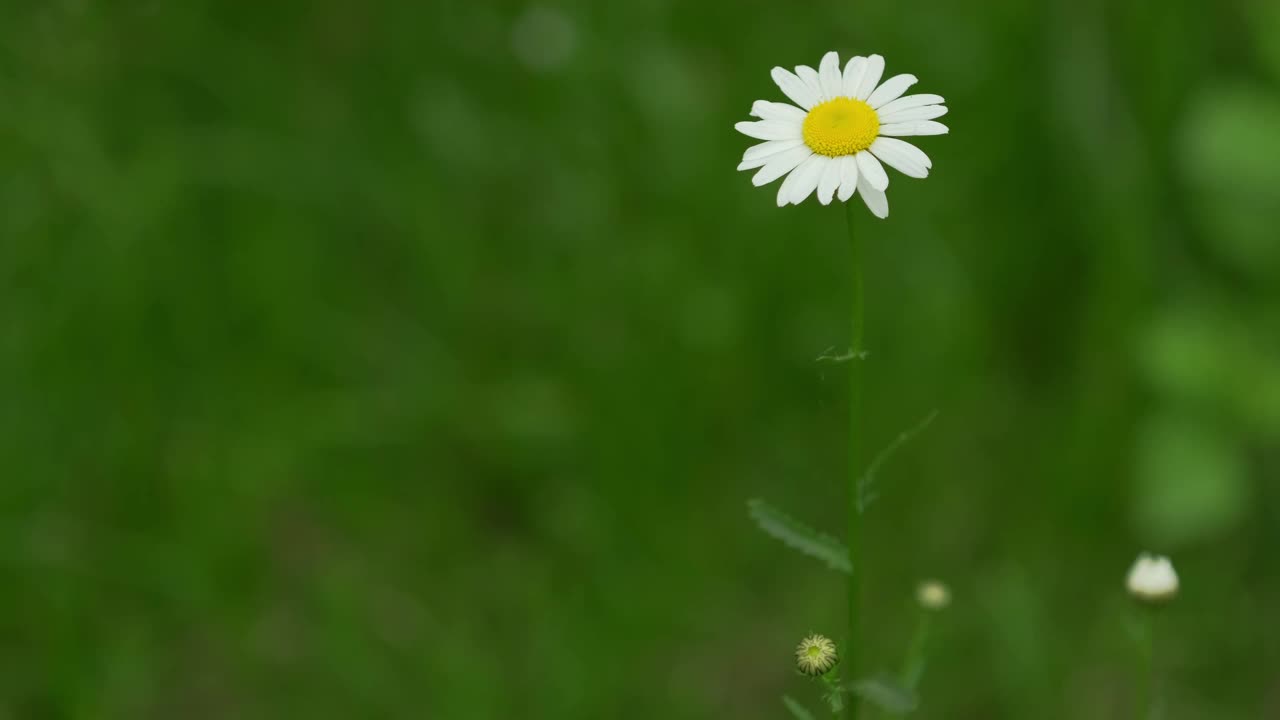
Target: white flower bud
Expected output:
[1152,579]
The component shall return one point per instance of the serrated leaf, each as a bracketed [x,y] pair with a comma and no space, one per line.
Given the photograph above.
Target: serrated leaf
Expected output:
[798,536]
[835,700]
[798,711]
[887,694]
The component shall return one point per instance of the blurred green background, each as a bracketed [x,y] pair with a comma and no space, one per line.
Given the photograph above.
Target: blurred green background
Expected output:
[416,360]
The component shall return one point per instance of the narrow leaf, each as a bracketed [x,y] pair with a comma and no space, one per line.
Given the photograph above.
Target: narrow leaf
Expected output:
[798,711]
[887,694]
[798,536]
[866,495]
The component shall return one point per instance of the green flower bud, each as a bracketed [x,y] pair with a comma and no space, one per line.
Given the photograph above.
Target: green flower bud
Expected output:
[933,595]
[816,655]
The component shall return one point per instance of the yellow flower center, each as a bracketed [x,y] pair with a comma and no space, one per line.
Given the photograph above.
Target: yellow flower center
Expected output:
[842,126]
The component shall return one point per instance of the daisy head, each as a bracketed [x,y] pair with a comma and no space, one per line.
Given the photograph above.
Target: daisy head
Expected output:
[816,655]
[843,133]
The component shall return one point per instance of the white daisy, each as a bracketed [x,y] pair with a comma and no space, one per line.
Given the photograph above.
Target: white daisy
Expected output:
[846,126]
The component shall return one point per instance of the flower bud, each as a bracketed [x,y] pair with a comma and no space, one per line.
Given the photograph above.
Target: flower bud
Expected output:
[816,655]
[1152,579]
[933,595]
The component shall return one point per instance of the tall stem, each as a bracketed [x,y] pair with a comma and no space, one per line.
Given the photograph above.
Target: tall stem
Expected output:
[855,456]
[1146,665]
[913,668]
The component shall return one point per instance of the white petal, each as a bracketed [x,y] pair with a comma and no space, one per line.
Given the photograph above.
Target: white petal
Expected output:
[781,164]
[784,189]
[891,89]
[928,112]
[911,101]
[770,129]
[907,129]
[757,155]
[766,110]
[871,78]
[853,72]
[794,88]
[829,181]
[809,77]
[876,201]
[901,156]
[807,177]
[829,76]
[848,177]
[771,147]
[870,170]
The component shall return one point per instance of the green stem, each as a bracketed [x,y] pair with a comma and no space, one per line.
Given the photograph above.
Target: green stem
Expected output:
[913,667]
[835,693]
[1146,665]
[855,459]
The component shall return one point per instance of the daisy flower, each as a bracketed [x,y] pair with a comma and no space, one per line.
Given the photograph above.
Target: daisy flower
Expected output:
[846,125]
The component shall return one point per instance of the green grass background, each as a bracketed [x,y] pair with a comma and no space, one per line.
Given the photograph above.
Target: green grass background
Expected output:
[416,360]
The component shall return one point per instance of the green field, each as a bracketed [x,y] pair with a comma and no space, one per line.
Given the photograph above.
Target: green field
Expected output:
[417,360]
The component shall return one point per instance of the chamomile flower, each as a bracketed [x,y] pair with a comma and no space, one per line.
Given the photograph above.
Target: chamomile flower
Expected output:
[843,133]
[816,655]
